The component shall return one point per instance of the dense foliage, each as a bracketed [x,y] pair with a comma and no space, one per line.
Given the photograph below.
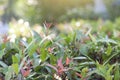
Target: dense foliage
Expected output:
[80,50]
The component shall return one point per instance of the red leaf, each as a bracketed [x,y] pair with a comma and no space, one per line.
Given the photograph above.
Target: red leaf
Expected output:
[25,73]
[67,61]
[50,50]
[59,64]
[48,25]
[79,75]
[5,38]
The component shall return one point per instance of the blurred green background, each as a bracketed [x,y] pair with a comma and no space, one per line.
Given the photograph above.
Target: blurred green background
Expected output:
[39,11]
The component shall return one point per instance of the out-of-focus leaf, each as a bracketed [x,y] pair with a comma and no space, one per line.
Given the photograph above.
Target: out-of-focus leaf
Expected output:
[117,72]
[52,59]
[25,73]
[1,53]
[3,64]
[44,54]
[81,58]
[109,50]
[84,72]
[93,38]
[60,64]
[106,40]
[84,49]
[31,48]
[9,73]
[68,61]
[22,63]
[14,59]
[106,61]
[15,68]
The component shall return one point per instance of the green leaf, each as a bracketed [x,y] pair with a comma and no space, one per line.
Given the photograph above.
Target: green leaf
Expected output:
[84,72]
[52,59]
[84,49]
[1,53]
[9,73]
[109,50]
[43,55]
[3,64]
[15,67]
[108,72]
[106,40]
[106,61]
[18,56]
[32,48]
[117,73]
[93,38]
[80,58]
[14,59]
[46,39]
[22,63]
